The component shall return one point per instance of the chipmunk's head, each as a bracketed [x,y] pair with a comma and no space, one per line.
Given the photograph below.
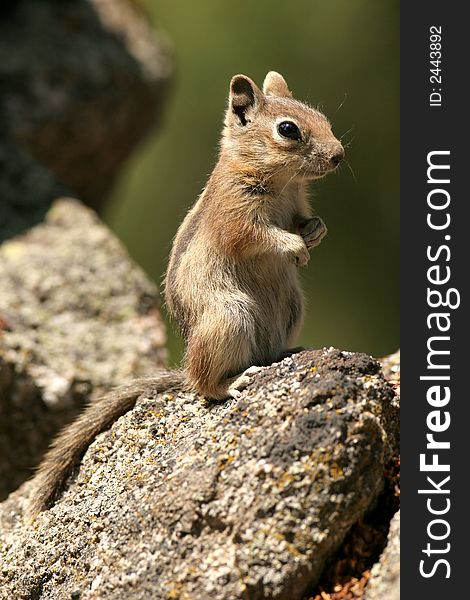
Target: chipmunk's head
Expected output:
[270,131]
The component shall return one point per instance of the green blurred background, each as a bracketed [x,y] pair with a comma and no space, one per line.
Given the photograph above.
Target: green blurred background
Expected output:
[340,55]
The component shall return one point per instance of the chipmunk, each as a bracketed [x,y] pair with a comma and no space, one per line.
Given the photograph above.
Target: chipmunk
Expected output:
[232,284]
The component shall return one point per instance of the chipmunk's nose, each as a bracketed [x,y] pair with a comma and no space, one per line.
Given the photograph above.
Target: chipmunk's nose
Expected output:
[338,156]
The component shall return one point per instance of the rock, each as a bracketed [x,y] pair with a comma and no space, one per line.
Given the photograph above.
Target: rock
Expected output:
[391,369]
[26,190]
[80,84]
[77,316]
[384,583]
[182,499]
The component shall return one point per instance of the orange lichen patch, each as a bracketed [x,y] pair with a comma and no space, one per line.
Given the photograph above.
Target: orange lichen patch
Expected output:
[336,471]
[285,480]
[276,535]
[225,461]
[177,591]
[155,414]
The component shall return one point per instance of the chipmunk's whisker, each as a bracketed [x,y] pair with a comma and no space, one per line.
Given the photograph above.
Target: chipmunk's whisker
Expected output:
[341,104]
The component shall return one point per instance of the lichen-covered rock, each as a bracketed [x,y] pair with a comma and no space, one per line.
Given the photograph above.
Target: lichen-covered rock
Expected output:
[384,583]
[80,84]
[77,316]
[391,369]
[244,499]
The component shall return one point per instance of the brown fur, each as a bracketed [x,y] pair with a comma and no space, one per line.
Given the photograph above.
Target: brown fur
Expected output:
[232,285]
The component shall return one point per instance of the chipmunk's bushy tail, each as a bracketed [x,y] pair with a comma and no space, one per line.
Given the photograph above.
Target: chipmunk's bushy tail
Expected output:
[73,441]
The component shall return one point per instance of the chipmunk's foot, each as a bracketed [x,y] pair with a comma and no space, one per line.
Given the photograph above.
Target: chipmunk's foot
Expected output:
[240,382]
[313,231]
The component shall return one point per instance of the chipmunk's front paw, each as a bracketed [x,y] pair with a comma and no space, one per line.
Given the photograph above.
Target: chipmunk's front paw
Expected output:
[313,231]
[302,256]
[298,252]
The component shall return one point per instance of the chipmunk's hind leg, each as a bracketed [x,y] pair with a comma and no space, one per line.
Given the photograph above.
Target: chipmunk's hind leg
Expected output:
[217,353]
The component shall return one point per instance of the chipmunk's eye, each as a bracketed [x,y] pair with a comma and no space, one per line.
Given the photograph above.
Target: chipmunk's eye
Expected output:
[289,130]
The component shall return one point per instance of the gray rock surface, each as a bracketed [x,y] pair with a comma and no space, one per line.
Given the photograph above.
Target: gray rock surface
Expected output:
[77,317]
[81,82]
[244,499]
[391,369]
[384,583]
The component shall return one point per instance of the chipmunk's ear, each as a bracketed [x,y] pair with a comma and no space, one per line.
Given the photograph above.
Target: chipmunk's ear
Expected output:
[275,85]
[244,100]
